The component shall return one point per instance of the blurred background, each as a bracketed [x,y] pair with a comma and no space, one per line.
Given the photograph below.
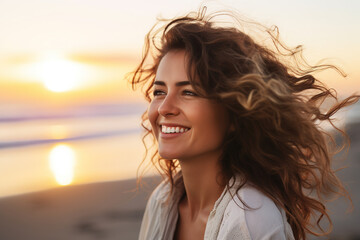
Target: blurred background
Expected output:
[70,135]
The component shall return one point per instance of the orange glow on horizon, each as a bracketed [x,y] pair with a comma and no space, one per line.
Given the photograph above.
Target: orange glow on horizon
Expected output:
[60,80]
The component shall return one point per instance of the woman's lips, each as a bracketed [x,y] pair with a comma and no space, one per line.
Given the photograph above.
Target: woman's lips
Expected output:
[172,131]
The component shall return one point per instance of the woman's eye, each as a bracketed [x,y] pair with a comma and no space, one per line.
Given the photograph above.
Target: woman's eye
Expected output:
[158,92]
[189,93]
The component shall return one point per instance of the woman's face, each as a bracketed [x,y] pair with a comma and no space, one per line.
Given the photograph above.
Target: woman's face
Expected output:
[185,125]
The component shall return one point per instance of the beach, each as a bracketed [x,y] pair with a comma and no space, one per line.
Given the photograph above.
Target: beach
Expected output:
[108,210]
[113,210]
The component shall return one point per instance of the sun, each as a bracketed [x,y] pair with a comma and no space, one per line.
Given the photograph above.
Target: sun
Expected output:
[59,74]
[62,161]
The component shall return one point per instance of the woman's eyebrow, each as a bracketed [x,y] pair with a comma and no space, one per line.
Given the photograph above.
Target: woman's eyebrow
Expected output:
[182,83]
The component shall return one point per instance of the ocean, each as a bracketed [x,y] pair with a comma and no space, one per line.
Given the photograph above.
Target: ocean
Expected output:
[42,149]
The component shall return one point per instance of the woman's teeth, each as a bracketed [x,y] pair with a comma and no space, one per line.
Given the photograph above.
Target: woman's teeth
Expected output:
[165,129]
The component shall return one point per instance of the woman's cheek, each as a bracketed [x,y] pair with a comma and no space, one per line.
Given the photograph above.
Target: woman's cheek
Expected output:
[153,115]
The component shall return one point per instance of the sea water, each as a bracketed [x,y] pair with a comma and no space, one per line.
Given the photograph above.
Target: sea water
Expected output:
[82,144]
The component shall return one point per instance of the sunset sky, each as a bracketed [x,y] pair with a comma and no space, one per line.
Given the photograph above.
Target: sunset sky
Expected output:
[92,44]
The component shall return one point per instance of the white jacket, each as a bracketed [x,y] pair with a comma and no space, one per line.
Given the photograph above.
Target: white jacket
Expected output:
[229,219]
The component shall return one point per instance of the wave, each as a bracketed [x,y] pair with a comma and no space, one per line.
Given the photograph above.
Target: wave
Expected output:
[30,113]
[16,144]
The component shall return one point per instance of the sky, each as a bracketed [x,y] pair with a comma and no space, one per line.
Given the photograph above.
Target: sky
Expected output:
[106,37]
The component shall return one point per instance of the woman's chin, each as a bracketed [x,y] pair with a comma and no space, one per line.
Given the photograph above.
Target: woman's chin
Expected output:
[169,155]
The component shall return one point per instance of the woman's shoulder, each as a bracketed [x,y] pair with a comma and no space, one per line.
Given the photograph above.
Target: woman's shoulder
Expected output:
[160,193]
[151,221]
[263,218]
[164,192]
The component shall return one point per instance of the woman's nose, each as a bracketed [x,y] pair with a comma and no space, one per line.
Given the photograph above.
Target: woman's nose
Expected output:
[169,106]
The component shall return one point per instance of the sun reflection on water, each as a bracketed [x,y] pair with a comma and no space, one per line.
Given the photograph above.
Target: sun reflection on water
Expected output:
[62,162]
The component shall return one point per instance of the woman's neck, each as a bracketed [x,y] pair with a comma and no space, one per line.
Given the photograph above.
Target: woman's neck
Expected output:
[203,183]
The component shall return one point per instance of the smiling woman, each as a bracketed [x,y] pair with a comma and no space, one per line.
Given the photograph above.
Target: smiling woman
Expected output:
[235,128]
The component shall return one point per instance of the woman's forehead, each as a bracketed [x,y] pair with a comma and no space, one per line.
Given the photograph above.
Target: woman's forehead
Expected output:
[172,70]
[173,64]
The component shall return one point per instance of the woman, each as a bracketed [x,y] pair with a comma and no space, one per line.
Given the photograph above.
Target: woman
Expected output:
[238,136]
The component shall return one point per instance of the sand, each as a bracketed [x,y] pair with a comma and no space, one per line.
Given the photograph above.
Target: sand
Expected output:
[108,210]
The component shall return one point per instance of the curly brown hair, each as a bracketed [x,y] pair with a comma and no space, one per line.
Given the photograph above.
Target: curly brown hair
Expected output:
[275,104]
